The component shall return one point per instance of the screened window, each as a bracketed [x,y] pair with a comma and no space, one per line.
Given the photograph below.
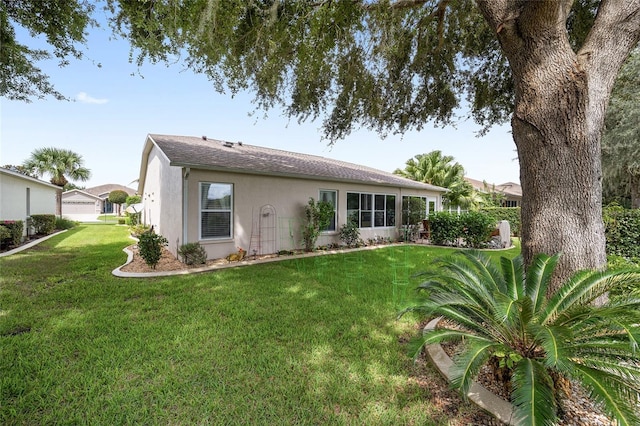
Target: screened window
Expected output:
[330,197]
[371,210]
[216,210]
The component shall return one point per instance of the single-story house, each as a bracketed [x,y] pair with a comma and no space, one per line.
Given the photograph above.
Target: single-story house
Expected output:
[511,191]
[87,204]
[22,195]
[226,195]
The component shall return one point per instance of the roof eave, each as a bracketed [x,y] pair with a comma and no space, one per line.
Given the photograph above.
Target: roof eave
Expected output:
[303,176]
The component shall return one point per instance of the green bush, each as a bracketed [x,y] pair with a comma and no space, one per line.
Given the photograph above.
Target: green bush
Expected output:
[15,229]
[350,234]
[510,214]
[5,234]
[317,217]
[476,228]
[150,246]
[622,231]
[43,224]
[537,339]
[446,228]
[62,223]
[136,230]
[193,254]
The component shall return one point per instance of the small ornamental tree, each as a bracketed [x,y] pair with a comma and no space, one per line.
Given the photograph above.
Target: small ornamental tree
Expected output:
[118,197]
[317,217]
[150,246]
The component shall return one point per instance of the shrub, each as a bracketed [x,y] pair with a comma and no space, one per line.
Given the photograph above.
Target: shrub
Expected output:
[5,234]
[317,217]
[476,228]
[622,231]
[413,211]
[43,224]
[122,221]
[510,214]
[15,229]
[539,340]
[133,199]
[446,228]
[350,234]
[137,230]
[150,246]
[193,254]
[62,223]
[133,219]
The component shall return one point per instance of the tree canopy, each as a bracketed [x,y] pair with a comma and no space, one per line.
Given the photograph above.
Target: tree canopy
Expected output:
[440,170]
[59,164]
[397,65]
[63,25]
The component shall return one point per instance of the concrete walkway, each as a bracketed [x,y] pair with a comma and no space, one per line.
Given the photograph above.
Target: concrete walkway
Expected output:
[30,244]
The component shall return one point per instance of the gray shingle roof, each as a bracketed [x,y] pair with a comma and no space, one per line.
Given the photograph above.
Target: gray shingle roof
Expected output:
[211,154]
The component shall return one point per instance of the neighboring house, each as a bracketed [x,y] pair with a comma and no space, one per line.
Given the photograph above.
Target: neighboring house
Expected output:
[227,195]
[512,191]
[88,204]
[21,196]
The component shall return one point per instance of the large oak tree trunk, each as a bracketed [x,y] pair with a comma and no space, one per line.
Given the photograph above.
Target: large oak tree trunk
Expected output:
[560,102]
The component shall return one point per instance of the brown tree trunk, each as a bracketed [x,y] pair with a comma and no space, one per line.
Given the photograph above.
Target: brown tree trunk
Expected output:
[560,102]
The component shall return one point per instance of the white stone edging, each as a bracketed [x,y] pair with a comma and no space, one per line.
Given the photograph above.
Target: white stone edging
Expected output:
[478,394]
[31,244]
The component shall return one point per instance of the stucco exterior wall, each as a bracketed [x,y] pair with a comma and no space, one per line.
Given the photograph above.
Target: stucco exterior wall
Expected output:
[162,199]
[288,196]
[21,197]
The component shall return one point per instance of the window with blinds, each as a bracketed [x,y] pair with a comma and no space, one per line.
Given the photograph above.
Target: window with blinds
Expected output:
[216,210]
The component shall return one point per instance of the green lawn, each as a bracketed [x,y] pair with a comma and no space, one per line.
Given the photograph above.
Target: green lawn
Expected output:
[291,342]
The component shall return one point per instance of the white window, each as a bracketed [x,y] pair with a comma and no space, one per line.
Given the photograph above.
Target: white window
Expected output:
[216,210]
[331,197]
[371,210]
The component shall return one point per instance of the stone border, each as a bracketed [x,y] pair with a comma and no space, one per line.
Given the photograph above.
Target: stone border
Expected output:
[478,394]
[118,273]
[31,244]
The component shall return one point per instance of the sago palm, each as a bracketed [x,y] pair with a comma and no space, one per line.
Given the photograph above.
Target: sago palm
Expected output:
[503,313]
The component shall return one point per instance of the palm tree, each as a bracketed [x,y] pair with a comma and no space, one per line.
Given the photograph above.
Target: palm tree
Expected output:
[540,342]
[437,169]
[59,164]
[432,168]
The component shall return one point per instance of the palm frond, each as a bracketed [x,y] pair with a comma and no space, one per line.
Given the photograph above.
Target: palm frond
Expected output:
[552,340]
[490,276]
[538,277]
[583,288]
[612,393]
[467,364]
[533,393]
[513,274]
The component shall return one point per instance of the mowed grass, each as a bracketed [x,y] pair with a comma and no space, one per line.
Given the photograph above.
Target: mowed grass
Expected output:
[291,342]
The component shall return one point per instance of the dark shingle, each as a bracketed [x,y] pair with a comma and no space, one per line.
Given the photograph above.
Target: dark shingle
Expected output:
[211,154]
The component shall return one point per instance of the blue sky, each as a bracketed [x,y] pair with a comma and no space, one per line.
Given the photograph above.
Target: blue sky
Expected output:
[117,105]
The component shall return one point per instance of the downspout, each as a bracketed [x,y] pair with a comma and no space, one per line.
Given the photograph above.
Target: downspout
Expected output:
[185,203]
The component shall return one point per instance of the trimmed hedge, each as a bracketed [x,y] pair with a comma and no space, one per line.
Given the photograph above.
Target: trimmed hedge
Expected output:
[12,234]
[473,228]
[622,231]
[43,224]
[510,214]
[445,228]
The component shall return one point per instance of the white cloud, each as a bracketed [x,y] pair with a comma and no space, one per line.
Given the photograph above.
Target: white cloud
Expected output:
[86,99]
